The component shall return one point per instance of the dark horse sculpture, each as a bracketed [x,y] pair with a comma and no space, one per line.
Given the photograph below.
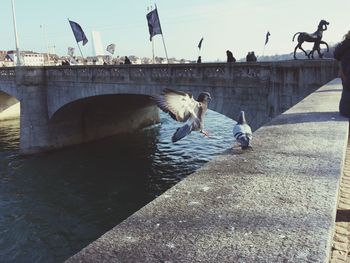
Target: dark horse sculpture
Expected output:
[317,48]
[315,37]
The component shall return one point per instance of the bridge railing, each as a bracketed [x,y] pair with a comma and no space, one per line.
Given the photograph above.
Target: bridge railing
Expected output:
[7,73]
[154,73]
[208,73]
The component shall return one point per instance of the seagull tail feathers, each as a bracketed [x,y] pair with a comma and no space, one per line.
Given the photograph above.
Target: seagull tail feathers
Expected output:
[181,132]
[241,118]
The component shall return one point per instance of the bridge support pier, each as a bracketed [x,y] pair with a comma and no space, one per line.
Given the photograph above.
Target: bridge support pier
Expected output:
[34,120]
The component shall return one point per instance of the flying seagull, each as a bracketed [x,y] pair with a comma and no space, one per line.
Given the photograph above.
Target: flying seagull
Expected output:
[242,132]
[183,107]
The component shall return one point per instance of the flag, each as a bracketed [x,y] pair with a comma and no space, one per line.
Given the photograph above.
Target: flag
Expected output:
[200,43]
[71,51]
[78,32]
[111,48]
[267,37]
[153,23]
[72,61]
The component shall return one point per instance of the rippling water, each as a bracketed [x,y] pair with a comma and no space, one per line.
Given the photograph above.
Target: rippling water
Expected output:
[54,204]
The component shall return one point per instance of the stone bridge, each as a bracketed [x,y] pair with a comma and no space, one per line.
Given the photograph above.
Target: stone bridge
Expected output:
[66,105]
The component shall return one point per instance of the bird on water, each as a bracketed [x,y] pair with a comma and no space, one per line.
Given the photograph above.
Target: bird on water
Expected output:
[182,107]
[242,132]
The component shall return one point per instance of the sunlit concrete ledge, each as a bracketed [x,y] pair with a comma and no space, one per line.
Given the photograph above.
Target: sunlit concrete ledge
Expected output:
[276,203]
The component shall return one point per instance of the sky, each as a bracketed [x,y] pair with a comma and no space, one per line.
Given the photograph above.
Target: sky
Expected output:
[236,25]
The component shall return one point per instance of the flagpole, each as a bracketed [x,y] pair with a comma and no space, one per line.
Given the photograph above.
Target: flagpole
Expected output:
[155,29]
[16,36]
[79,48]
[199,48]
[152,51]
[45,44]
[266,40]
[263,50]
[81,53]
[166,53]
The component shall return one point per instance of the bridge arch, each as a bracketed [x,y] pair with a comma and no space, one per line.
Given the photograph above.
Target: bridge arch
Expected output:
[8,82]
[9,106]
[9,95]
[99,116]
[74,94]
[227,100]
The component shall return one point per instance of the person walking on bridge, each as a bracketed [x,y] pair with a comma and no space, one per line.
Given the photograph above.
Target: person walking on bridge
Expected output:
[342,54]
[230,57]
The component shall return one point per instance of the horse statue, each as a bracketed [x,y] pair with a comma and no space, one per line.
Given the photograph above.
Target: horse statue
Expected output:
[315,37]
[317,48]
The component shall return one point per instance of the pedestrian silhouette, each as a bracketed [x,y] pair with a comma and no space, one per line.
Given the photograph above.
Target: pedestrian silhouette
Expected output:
[127,60]
[248,57]
[199,60]
[251,57]
[230,57]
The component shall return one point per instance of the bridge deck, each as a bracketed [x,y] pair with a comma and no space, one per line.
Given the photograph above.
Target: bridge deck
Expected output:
[276,203]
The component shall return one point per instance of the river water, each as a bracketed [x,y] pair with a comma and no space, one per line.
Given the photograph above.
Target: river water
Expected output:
[54,204]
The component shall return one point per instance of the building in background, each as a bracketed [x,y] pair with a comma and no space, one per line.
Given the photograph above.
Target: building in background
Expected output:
[97,44]
[28,58]
[3,54]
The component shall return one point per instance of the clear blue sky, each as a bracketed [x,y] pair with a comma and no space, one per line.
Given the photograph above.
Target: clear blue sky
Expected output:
[237,25]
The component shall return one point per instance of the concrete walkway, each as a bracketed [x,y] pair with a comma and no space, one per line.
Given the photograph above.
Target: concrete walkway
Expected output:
[276,203]
[341,239]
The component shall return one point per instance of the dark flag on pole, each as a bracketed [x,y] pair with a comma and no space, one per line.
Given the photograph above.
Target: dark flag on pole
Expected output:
[267,37]
[153,23]
[78,32]
[200,43]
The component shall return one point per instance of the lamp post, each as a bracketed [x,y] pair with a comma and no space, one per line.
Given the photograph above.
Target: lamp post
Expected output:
[46,45]
[16,36]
